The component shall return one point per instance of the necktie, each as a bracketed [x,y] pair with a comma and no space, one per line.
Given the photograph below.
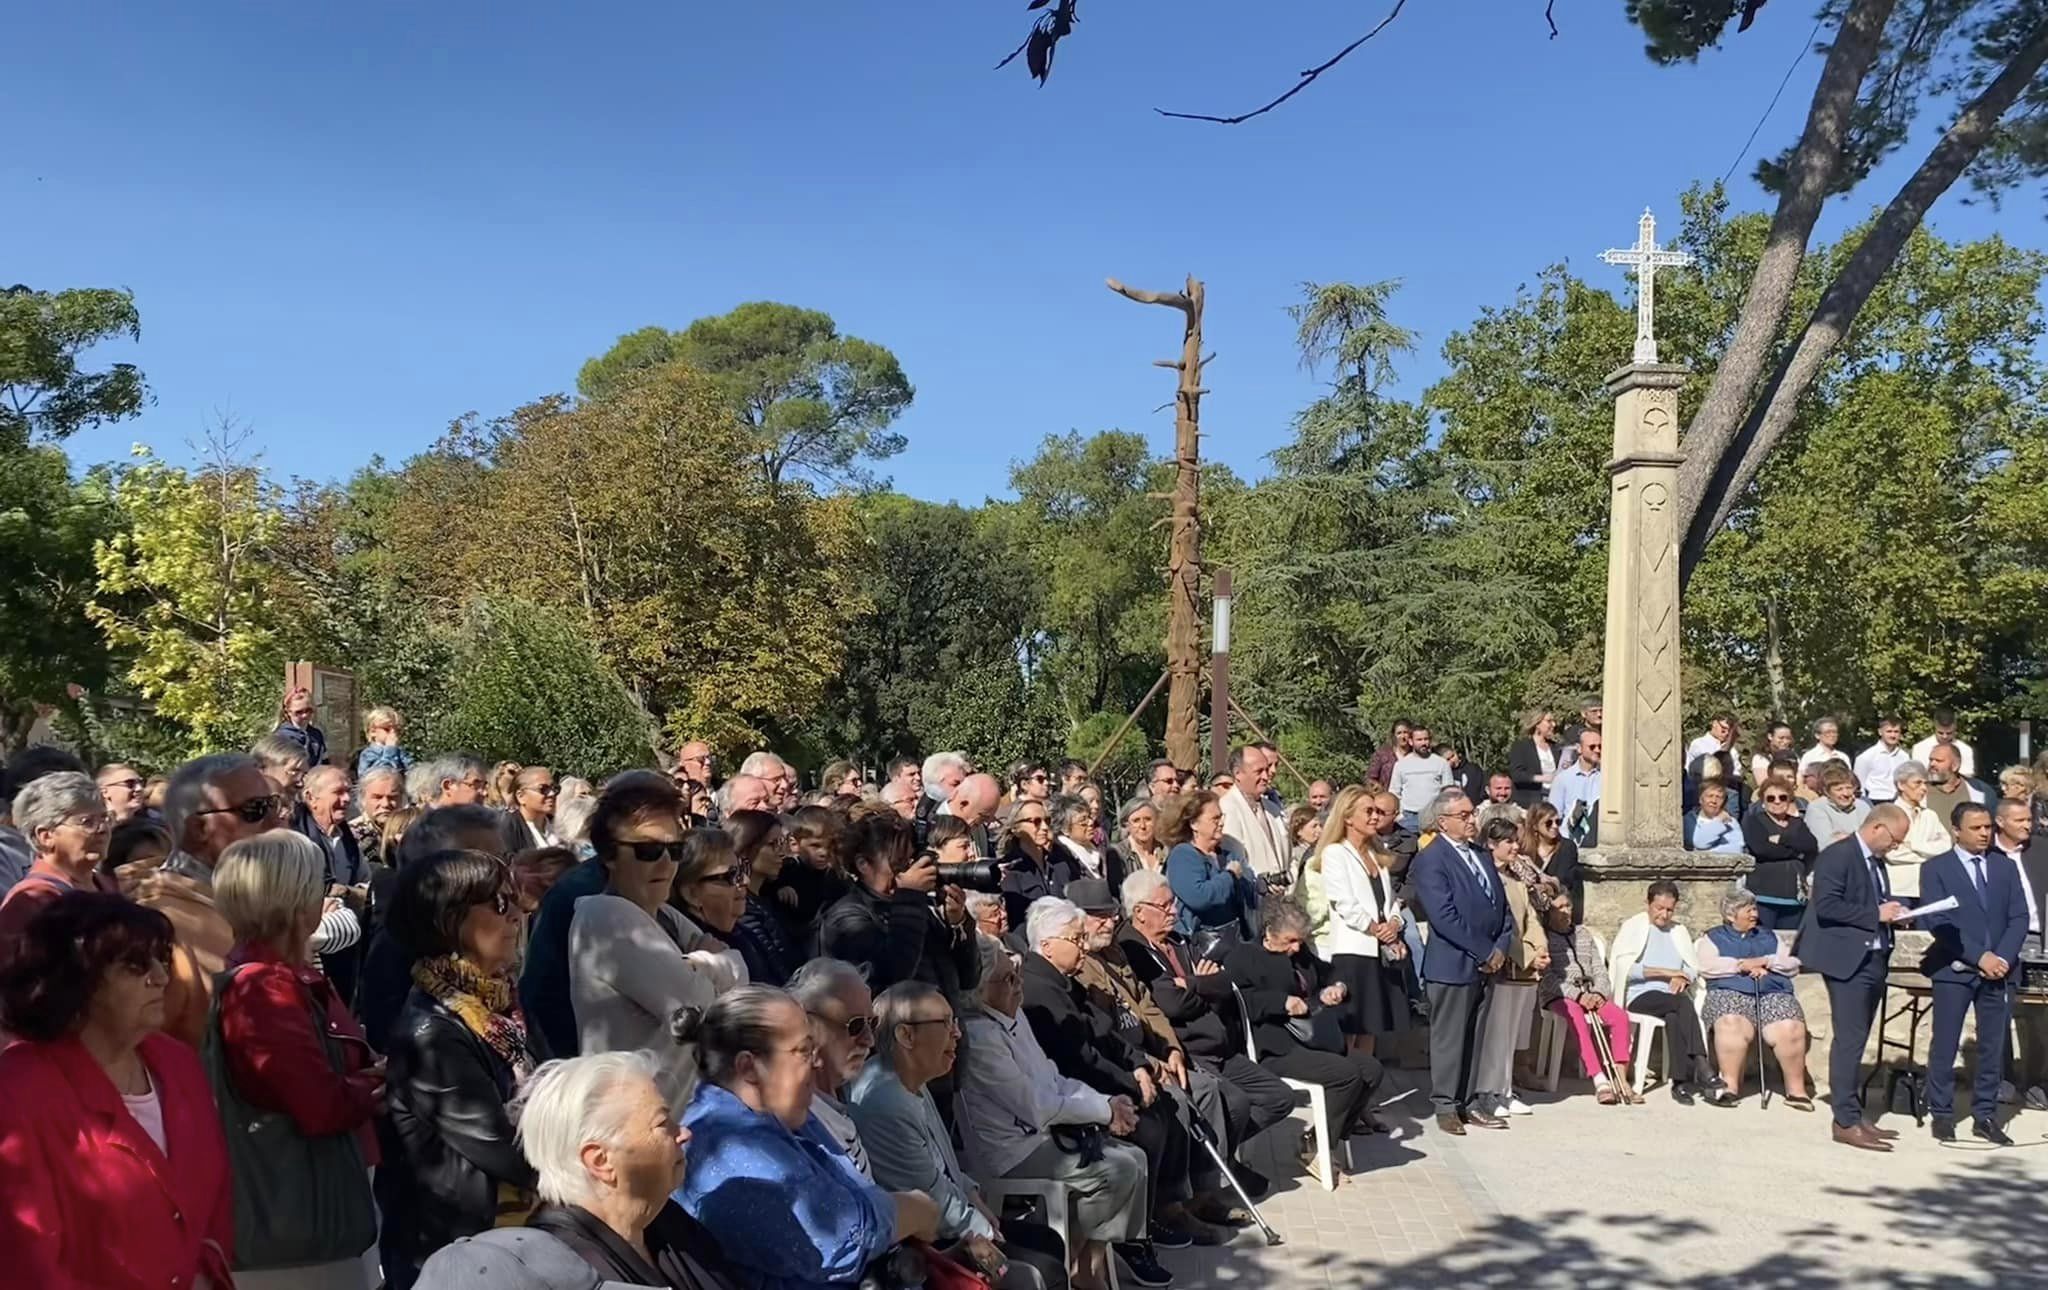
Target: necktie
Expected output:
[1977,876]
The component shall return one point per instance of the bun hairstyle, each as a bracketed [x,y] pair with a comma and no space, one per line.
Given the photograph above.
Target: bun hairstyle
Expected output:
[742,1020]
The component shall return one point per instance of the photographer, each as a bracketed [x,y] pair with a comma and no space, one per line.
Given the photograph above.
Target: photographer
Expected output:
[897,924]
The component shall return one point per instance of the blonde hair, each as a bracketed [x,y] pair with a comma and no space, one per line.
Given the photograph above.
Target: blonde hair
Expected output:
[1336,829]
[379,717]
[263,884]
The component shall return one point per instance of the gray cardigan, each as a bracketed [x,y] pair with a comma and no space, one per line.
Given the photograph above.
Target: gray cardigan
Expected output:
[628,973]
[910,1149]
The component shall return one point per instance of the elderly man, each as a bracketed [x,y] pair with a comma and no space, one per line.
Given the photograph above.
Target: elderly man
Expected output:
[941,775]
[973,803]
[910,1148]
[209,804]
[1253,825]
[1877,765]
[1576,792]
[1944,736]
[454,780]
[1087,1046]
[899,798]
[779,776]
[745,791]
[1162,782]
[694,763]
[1470,934]
[1319,794]
[121,788]
[1827,738]
[835,996]
[1193,995]
[378,794]
[325,796]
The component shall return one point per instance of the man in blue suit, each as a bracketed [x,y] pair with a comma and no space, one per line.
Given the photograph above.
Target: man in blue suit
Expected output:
[1976,946]
[1847,938]
[1469,936]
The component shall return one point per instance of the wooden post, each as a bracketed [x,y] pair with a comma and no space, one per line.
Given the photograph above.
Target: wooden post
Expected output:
[1219,679]
[1184,557]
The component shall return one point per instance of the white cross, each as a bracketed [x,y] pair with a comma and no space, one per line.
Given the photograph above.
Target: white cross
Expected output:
[1646,259]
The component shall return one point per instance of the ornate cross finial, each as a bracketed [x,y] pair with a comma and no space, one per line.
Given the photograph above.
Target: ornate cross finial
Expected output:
[1646,259]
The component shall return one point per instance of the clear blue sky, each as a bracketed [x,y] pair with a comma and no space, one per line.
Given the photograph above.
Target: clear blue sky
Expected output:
[352,223]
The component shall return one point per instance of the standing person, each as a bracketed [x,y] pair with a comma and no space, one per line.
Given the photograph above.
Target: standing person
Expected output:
[1847,938]
[296,1082]
[382,728]
[1381,768]
[2013,837]
[1718,744]
[1255,826]
[1073,828]
[1532,761]
[378,794]
[1709,826]
[68,831]
[1838,811]
[1777,744]
[1926,833]
[1514,987]
[1470,937]
[1362,939]
[1576,987]
[1654,961]
[760,844]
[295,722]
[458,1054]
[1468,776]
[532,808]
[1418,776]
[1215,892]
[1944,736]
[1032,865]
[870,928]
[1827,738]
[1784,849]
[1946,787]
[455,779]
[1162,782]
[116,1172]
[1591,715]
[1975,949]
[121,787]
[1876,765]
[1499,802]
[1576,792]
[1138,831]
[1029,782]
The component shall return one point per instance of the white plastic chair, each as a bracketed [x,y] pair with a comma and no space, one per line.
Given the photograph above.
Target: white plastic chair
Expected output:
[1551,1042]
[1318,1100]
[1055,1198]
[1642,1026]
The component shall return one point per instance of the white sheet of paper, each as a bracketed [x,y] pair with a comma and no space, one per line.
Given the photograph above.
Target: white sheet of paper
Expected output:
[1941,906]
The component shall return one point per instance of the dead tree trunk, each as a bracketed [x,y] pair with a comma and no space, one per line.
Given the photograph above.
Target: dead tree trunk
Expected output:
[1184,552]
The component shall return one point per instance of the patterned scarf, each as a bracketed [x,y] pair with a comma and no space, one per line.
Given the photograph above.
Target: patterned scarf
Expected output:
[484,1003]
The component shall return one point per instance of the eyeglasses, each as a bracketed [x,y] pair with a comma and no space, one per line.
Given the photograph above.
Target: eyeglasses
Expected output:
[475,782]
[132,785]
[1465,814]
[1030,819]
[545,790]
[951,1023]
[87,823]
[854,1026]
[655,852]
[1163,906]
[503,903]
[736,877]
[253,811]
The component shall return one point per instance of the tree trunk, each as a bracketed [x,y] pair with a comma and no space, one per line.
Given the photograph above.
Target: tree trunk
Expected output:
[1846,295]
[1812,169]
[1774,657]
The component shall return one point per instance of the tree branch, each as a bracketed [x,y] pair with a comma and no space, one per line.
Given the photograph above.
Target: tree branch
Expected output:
[1307,79]
[1171,299]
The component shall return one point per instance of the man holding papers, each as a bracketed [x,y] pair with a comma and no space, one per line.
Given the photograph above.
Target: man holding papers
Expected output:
[1847,938]
[1976,947]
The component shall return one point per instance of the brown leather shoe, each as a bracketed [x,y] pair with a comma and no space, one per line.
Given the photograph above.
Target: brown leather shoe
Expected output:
[1448,1123]
[1861,1136]
[1480,1119]
[1886,1134]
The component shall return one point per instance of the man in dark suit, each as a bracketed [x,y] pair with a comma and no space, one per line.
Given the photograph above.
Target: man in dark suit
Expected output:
[2013,837]
[1847,938]
[1469,937]
[1976,949]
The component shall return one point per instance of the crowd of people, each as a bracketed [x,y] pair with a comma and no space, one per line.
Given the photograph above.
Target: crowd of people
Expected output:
[310,1020]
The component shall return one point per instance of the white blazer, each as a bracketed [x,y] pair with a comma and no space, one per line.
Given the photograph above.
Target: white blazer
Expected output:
[1354,901]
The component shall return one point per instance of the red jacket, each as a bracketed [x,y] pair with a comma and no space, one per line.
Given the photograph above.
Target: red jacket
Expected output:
[276,1061]
[87,1202]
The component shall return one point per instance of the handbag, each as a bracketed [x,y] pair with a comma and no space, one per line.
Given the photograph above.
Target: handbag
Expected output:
[1215,943]
[298,1200]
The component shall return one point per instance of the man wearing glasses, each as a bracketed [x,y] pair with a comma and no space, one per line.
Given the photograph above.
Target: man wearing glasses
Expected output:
[1469,936]
[1163,782]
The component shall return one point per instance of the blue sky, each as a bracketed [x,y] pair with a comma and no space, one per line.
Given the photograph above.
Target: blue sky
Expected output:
[351,223]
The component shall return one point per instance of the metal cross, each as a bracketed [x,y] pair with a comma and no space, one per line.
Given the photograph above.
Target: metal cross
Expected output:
[1646,259]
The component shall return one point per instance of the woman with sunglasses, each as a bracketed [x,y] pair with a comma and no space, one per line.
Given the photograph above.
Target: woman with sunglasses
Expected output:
[532,803]
[634,957]
[1362,938]
[458,1053]
[1032,865]
[1544,845]
[1784,849]
[116,1170]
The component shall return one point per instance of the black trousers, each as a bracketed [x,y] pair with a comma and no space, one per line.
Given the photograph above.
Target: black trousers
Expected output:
[1952,1000]
[1348,1081]
[1853,1003]
[1457,1015]
[1254,1098]
[1165,1142]
[1681,1020]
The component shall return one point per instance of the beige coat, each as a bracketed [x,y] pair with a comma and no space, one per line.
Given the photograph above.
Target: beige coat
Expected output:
[1260,832]
[201,949]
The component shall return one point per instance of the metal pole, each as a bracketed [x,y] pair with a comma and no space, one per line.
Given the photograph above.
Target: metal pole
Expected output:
[1219,678]
[1125,728]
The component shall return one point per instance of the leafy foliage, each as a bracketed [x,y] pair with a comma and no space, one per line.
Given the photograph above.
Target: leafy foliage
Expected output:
[44,393]
[48,526]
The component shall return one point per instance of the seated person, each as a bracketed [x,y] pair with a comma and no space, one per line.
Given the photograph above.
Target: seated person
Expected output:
[790,1210]
[1709,826]
[1749,982]
[1654,961]
[835,996]
[1293,1006]
[1575,986]
[916,1037]
[1014,1104]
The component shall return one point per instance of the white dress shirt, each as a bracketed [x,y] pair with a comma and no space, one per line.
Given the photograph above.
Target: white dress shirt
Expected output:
[1821,752]
[1964,754]
[1874,768]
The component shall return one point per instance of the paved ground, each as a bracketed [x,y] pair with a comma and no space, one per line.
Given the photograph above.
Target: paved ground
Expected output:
[1613,1198]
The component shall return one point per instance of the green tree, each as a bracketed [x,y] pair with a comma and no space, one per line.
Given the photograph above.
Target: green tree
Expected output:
[48,526]
[44,393]
[818,404]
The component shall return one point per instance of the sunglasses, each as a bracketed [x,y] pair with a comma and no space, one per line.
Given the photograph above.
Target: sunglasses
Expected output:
[731,877]
[250,812]
[545,790]
[132,785]
[855,1027]
[1776,797]
[503,903]
[655,852]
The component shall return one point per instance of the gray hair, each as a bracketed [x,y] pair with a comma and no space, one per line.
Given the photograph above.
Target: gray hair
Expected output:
[1048,917]
[938,764]
[1909,770]
[565,1106]
[45,802]
[382,772]
[762,765]
[1427,816]
[454,828]
[185,794]
[321,774]
[1063,810]
[1283,915]
[979,900]
[1140,885]
[1734,900]
[823,979]
[423,782]
[722,797]
[261,885]
[572,818]
[274,750]
[992,954]
[897,1006]
[891,793]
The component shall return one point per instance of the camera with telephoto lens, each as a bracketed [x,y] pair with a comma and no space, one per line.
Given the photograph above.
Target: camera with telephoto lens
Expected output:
[975,875]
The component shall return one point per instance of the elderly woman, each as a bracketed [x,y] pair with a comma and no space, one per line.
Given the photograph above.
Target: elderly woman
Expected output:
[1575,986]
[1217,894]
[2015,784]
[531,802]
[1784,849]
[1749,987]
[1138,827]
[1838,811]
[1653,960]
[1033,867]
[1709,826]
[458,1052]
[67,828]
[1508,1017]
[1073,826]
[116,1173]
[1027,1120]
[606,1154]
[298,1088]
[789,1207]
[916,1039]
[295,723]
[633,957]
[1926,835]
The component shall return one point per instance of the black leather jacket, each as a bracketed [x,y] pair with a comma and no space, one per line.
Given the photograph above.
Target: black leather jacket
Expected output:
[447,1139]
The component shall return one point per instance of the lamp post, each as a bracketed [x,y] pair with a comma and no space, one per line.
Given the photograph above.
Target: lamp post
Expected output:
[1219,677]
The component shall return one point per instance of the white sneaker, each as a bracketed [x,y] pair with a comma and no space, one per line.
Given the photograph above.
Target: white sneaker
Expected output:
[1515,1106]
[2007,1094]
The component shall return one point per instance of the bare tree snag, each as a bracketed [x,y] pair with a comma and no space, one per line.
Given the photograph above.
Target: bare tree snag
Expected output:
[1184,552]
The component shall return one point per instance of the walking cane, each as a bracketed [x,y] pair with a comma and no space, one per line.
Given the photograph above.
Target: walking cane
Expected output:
[1207,1137]
[1756,1016]
[1615,1075]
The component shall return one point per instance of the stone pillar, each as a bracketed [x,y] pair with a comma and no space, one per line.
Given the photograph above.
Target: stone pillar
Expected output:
[1639,794]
